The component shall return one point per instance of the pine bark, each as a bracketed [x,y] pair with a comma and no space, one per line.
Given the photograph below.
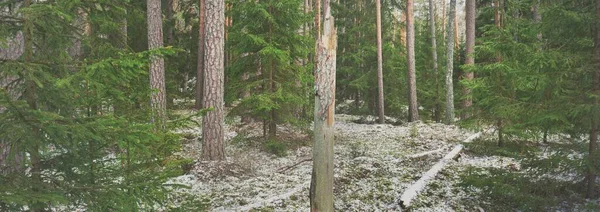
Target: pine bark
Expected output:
[380,105]
[434,58]
[212,122]
[413,110]
[470,57]
[593,145]
[157,64]
[450,63]
[201,52]
[321,187]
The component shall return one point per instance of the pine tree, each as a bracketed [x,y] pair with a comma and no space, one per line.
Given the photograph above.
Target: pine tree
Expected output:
[201,52]
[157,67]
[380,97]
[450,63]
[413,107]
[470,54]
[212,122]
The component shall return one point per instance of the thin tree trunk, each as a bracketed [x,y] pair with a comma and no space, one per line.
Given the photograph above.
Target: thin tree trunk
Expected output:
[450,64]
[321,187]
[498,13]
[380,99]
[157,64]
[413,110]
[434,58]
[170,22]
[31,98]
[470,57]
[201,45]
[212,122]
[593,146]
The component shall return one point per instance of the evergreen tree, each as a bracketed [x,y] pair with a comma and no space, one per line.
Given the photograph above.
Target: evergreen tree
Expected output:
[269,67]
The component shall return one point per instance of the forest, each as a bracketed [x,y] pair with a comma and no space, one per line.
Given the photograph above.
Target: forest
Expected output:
[298,105]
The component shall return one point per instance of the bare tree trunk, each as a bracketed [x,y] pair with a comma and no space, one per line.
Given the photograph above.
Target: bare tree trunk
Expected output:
[157,64]
[593,146]
[413,110]
[321,187]
[498,13]
[450,64]
[201,45]
[434,58]
[212,122]
[470,57]
[380,98]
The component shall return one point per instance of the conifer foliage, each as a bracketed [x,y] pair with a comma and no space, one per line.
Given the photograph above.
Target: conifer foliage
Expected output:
[271,54]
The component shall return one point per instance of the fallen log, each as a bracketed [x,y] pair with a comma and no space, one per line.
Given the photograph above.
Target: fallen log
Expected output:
[416,188]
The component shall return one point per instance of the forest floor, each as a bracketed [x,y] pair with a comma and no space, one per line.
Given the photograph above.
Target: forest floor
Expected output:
[374,164]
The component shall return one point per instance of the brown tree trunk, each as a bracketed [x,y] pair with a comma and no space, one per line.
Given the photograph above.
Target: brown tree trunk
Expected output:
[201,45]
[413,108]
[593,146]
[212,122]
[434,58]
[380,99]
[450,64]
[470,57]
[321,187]
[157,64]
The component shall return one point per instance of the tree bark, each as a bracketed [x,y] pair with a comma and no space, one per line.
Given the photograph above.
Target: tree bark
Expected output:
[593,145]
[450,64]
[434,58]
[157,64]
[201,45]
[380,98]
[321,187]
[470,57]
[413,110]
[212,122]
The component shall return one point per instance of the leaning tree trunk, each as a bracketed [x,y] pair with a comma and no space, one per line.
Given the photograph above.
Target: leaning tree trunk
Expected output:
[434,58]
[157,64]
[470,57]
[200,68]
[413,110]
[212,122]
[380,105]
[321,187]
[593,146]
[450,64]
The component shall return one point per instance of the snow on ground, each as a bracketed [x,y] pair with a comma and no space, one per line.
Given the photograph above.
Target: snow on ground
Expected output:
[374,164]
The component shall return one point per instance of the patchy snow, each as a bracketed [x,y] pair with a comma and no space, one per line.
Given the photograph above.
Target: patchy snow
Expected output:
[374,164]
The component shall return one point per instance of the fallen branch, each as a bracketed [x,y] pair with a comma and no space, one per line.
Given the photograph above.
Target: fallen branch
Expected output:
[286,168]
[418,155]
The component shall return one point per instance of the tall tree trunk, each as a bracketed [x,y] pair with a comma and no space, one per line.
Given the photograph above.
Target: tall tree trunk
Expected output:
[593,146]
[212,122]
[498,13]
[201,45]
[470,57]
[434,58]
[413,108]
[380,99]
[30,94]
[170,22]
[321,187]
[157,64]
[450,64]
